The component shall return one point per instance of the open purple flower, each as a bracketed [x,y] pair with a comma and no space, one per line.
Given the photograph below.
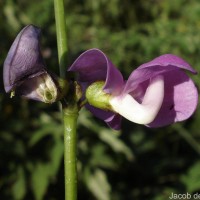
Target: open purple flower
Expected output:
[24,70]
[156,94]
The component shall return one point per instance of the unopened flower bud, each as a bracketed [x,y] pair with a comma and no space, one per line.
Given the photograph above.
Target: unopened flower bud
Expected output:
[25,72]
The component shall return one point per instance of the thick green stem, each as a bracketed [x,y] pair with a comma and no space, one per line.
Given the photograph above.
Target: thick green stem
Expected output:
[70,116]
[69,107]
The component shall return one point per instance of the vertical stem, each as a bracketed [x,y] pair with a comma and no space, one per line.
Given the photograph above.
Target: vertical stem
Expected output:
[70,116]
[61,32]
[69,109]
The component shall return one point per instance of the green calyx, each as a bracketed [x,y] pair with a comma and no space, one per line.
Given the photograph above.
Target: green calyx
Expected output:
[97,97]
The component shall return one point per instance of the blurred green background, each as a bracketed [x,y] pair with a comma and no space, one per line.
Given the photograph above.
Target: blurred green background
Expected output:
[137,163]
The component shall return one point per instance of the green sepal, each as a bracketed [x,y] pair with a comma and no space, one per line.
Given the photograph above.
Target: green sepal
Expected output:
[97,97]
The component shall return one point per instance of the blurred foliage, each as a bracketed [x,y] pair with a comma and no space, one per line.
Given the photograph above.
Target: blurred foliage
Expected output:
[137,163]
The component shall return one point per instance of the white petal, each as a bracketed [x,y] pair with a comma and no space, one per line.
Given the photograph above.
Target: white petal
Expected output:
[145,112]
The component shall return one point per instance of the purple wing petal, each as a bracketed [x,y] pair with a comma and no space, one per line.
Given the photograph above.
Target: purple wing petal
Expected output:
[93,65]
[113,120]
[168,60]
[180,100]
[181,95]
[159,65]
[24,58]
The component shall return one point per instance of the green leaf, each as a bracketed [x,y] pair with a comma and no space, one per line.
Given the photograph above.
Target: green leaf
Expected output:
[192,178]
[100,158]
[40,180]
[51,128]
[56,155]
[19,187]
[99,186]
[43,173]
[116,143]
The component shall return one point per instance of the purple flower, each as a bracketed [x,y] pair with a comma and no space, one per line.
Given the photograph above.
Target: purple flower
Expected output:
[156,94]
[24,70]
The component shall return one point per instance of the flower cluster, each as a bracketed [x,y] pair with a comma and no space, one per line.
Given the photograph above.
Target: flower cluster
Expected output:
[156,94]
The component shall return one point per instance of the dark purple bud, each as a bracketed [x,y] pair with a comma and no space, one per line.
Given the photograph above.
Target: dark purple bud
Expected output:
[24,59]
[24,69]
